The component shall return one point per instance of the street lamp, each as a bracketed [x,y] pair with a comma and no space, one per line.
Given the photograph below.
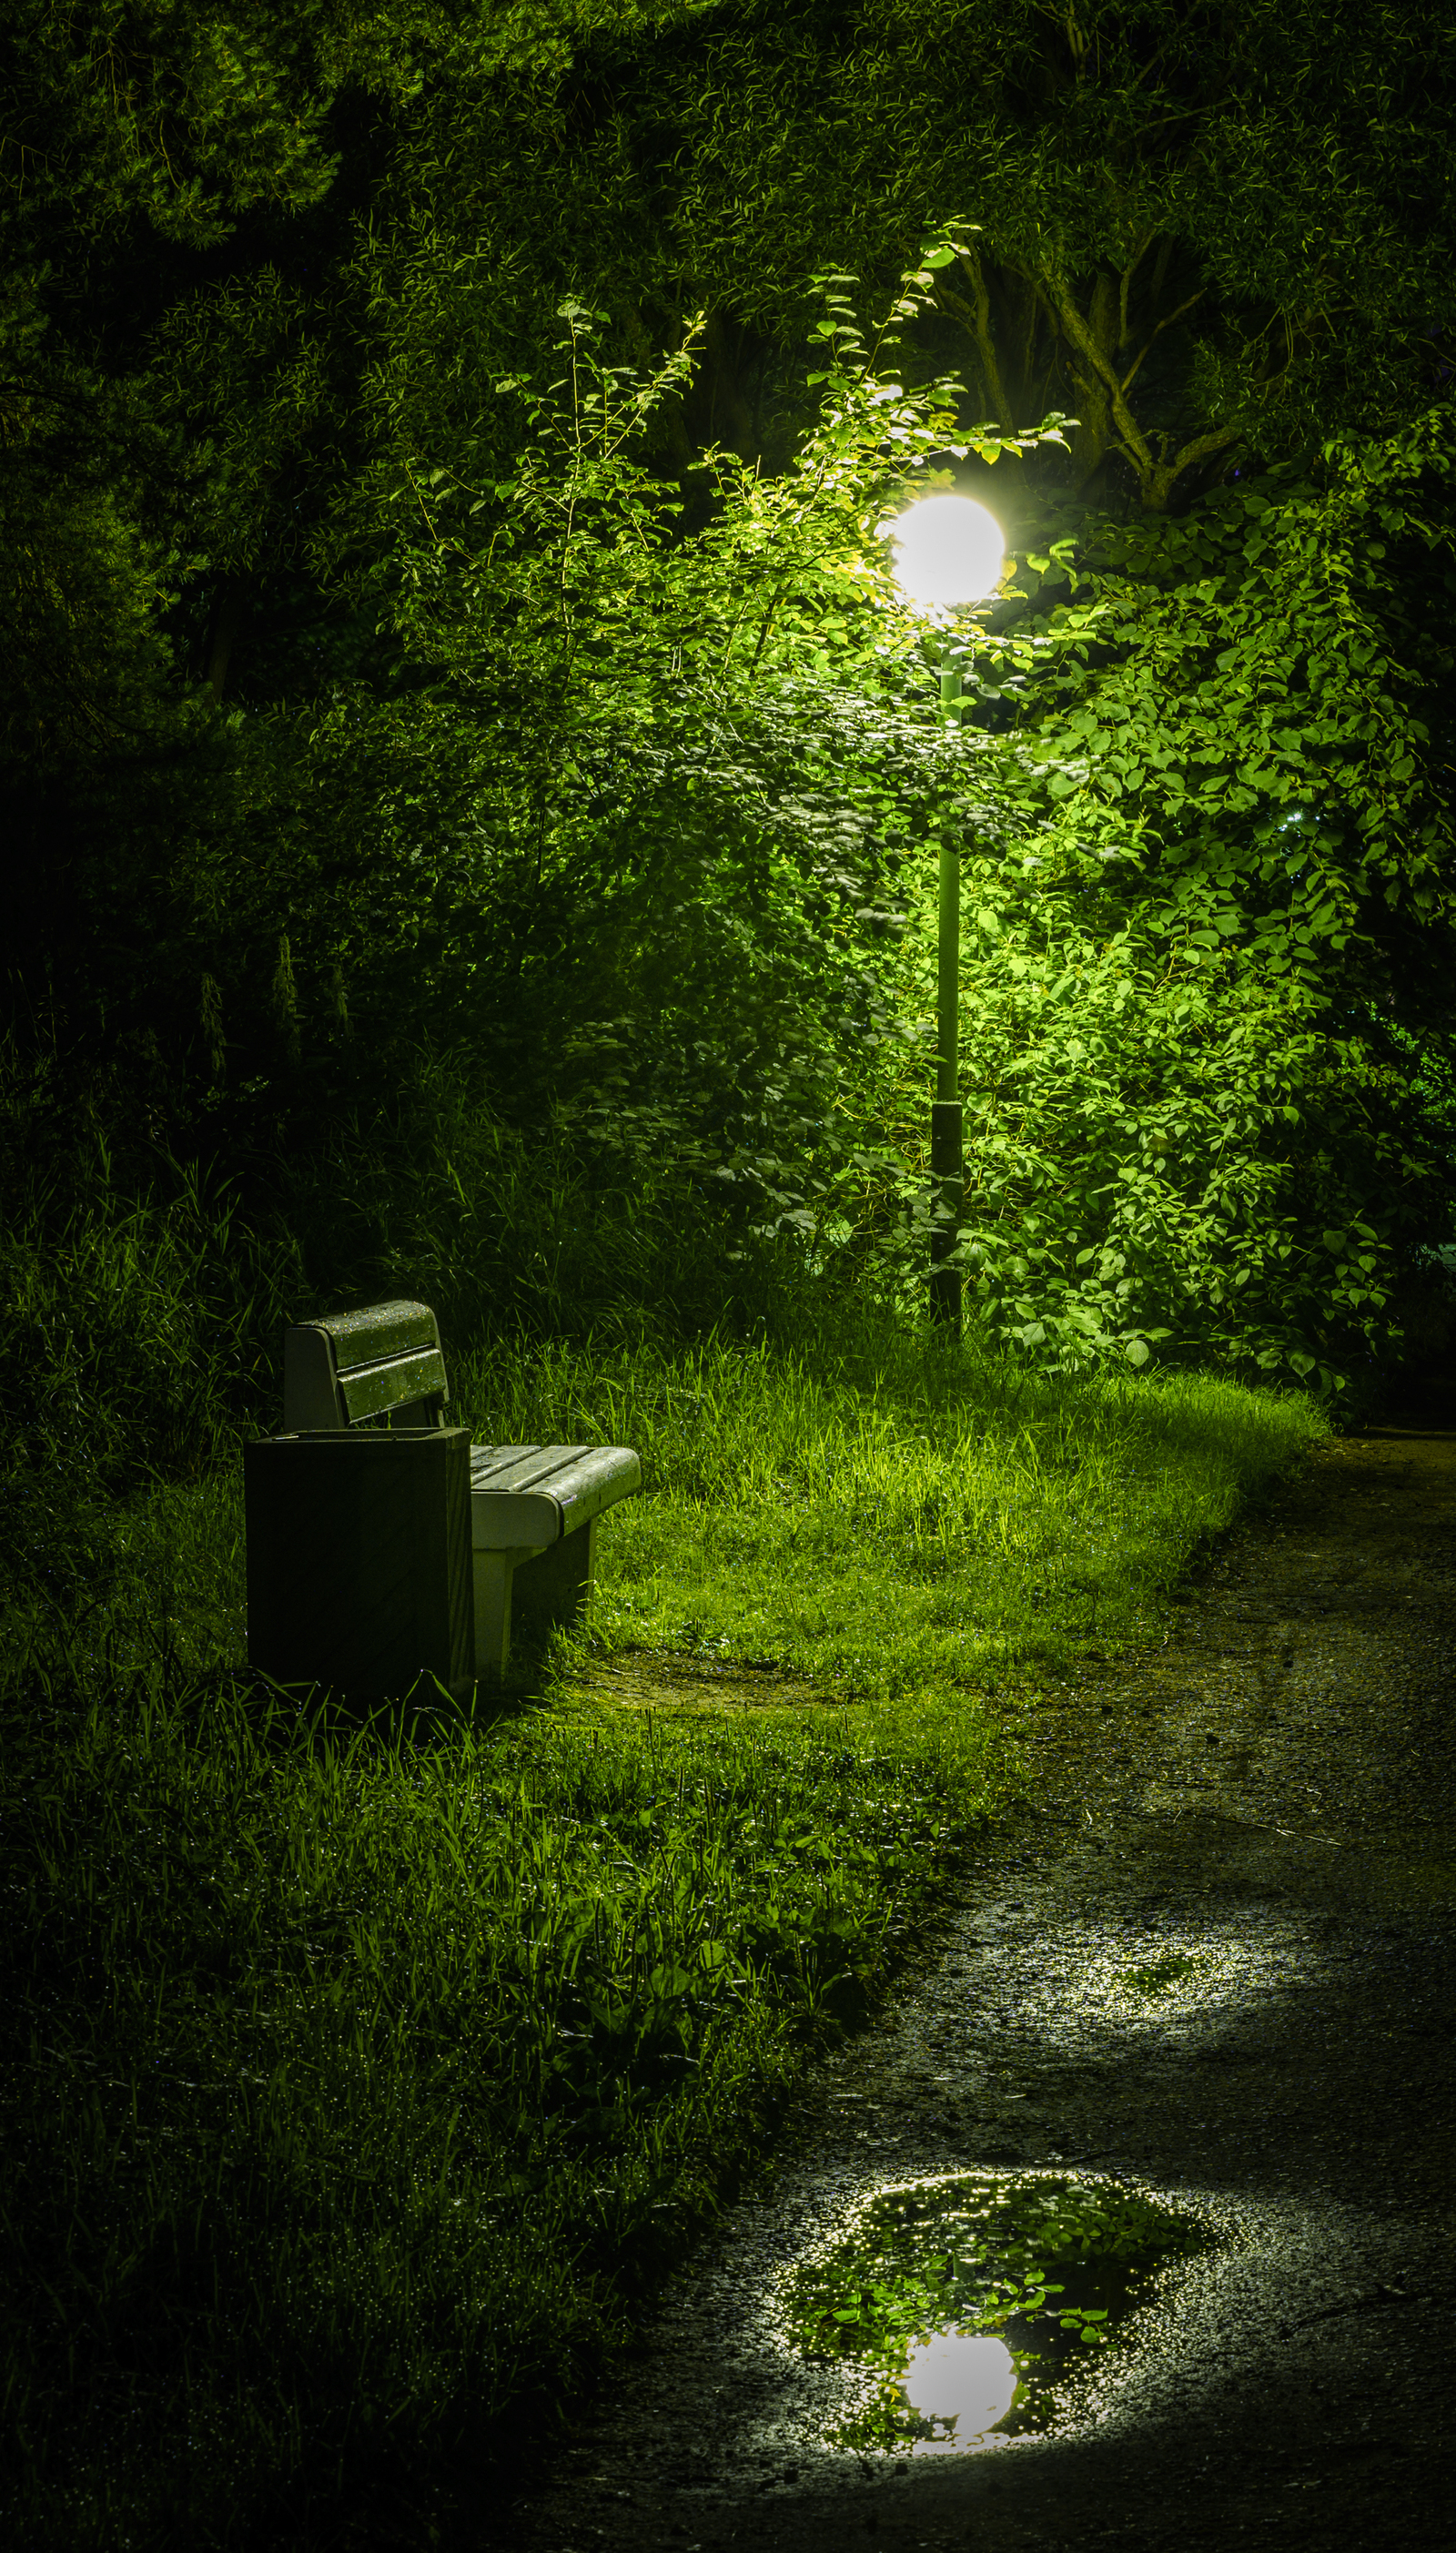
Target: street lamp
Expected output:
[947,552]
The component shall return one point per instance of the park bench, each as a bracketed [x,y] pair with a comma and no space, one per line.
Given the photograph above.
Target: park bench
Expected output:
[382,1541]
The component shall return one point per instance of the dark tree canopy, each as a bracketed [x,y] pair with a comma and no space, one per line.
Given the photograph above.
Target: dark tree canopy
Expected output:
[298,747]
[1205,230]
[1200,226]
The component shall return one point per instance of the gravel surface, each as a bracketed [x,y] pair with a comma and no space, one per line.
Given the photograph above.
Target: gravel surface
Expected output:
[1271,1794]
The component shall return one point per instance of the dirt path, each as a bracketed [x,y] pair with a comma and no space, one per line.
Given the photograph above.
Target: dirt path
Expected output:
[1273,1797]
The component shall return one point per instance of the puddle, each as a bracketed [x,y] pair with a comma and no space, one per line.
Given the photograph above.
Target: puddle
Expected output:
[972,2310]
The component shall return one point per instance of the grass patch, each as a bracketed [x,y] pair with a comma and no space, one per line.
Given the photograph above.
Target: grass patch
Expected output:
[359,2082]
[899,1523]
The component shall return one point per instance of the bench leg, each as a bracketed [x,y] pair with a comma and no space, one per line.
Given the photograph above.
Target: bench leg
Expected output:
[542,1584]
[493,1573]
[556,1586]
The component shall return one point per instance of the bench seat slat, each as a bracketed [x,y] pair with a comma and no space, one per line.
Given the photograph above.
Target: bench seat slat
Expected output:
[524,1467]
[531,1495]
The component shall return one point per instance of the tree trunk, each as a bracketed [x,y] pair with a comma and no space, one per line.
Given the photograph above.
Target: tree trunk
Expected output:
[1093,394]
[977,319]
[1100,337]
[227,619]
[731,415]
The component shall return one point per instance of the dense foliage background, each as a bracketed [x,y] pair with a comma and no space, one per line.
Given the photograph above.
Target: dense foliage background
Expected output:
[472,791]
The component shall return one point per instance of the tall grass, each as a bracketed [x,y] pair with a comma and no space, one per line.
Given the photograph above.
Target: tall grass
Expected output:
[886,1516]
[135,1332]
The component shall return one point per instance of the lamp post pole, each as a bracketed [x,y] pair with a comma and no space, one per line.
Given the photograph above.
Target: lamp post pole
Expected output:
[949,553]
[948,1163]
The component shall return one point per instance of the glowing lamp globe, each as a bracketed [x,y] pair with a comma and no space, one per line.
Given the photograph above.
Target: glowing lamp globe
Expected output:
[948,550]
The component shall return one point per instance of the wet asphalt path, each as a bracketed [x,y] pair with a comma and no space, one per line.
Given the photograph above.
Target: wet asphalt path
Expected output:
[1268,1796]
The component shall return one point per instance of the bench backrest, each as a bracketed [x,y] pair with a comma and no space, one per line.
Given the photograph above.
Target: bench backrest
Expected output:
[350,1367]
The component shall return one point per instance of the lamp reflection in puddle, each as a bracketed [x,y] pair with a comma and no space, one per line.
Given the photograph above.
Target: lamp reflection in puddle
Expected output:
[964,2381]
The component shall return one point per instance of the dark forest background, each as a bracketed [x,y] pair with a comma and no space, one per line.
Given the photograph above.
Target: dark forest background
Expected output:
[471,791]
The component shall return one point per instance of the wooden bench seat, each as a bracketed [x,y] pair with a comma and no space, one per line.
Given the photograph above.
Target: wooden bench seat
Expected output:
[532,1508]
